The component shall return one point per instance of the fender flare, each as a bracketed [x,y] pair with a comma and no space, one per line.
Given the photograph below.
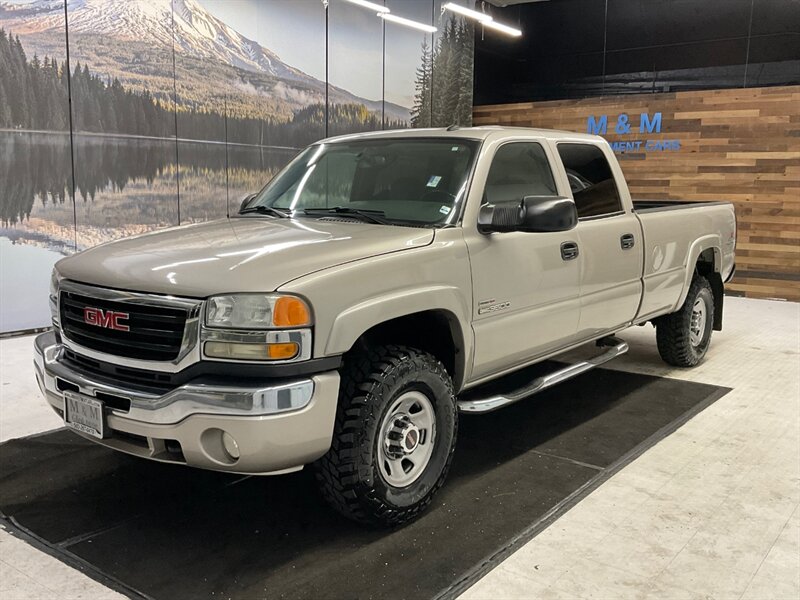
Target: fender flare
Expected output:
[708,242]
[356,320]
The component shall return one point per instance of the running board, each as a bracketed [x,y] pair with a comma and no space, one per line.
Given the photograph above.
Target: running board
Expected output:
[616,347]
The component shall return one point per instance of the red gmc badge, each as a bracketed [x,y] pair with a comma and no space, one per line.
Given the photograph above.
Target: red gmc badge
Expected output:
[106,318]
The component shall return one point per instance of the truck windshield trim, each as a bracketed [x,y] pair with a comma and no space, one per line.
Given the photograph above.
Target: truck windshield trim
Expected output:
[410,181]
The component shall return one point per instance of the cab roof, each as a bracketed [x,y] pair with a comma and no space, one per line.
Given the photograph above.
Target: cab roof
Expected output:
[473,133]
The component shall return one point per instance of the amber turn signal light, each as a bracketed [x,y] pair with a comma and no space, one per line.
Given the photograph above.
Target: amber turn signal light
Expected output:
[290,312]
[282,351]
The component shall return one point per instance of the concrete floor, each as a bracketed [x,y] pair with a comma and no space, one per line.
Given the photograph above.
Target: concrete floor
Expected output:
[709,512]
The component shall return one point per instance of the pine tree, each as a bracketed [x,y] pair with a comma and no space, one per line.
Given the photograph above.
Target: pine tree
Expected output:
[443,105]
[15,90]
[421,111]
[5,113]
[5,69]
[464,76]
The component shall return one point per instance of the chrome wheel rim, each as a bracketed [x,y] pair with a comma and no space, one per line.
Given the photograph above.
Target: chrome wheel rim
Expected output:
[697,327]
[407,437]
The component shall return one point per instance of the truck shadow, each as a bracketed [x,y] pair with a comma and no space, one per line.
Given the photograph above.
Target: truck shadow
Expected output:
[168,531]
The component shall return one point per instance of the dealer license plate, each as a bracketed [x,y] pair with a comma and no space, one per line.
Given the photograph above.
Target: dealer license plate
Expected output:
[84,414]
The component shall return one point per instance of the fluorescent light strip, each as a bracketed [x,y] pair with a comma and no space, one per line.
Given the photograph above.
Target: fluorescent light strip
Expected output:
[371,5]
[407,22]
[463,10]
[482,18]
[502,28]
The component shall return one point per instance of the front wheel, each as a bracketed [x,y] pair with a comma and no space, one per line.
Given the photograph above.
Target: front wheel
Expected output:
[684,336]
[394,436]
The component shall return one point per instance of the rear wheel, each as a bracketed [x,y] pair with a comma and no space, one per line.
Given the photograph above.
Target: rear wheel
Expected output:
[394,436]
[684,336]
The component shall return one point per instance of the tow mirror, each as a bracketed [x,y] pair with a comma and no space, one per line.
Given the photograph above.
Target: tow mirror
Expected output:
[246,201]
[531,214]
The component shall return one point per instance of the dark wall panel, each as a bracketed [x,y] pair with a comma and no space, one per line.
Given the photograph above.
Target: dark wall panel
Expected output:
[642,23]
[581,48]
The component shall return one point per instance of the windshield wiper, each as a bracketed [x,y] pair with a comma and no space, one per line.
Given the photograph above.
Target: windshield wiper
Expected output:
[265,210]
[369,216]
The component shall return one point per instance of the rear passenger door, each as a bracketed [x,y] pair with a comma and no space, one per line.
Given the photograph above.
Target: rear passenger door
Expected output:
[609,239]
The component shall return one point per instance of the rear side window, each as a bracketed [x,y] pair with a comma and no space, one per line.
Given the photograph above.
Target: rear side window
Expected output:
[590,180]
[519,169]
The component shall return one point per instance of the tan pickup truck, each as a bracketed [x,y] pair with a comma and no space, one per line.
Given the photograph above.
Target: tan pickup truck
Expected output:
[337,320]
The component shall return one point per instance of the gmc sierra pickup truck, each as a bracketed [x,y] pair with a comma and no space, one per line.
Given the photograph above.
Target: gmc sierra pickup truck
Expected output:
[338,320]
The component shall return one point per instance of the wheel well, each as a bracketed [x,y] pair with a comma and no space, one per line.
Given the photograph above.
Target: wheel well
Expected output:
[707,267]
[434,331]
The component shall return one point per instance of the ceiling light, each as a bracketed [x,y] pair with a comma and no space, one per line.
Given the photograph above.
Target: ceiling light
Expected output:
[463,10]
[371,5]
[502,28]
[406,22]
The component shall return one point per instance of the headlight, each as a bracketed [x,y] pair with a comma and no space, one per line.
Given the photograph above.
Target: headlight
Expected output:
[55,279]
[256,311]
[258,327]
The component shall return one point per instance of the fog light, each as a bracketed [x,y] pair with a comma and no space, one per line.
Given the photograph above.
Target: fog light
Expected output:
[230,445]
[252,351]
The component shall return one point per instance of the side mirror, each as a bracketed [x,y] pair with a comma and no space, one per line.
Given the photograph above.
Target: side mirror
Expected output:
[246,201]
[531,214]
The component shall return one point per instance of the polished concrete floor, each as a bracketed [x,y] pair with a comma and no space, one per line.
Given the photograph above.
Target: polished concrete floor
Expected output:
[709,512]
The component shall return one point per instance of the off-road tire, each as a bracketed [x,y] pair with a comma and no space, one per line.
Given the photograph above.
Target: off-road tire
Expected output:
[348,475]
[673,333]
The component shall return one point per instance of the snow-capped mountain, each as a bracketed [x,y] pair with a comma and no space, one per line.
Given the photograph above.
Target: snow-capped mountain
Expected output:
[196,31]
[186,23]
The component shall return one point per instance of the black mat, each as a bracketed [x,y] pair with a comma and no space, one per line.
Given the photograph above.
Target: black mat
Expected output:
[165,531]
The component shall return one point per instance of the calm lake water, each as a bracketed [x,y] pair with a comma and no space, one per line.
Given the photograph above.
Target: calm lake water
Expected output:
[123,186]
[24,285]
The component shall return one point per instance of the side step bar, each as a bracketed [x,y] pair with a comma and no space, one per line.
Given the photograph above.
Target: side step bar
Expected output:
[616,347]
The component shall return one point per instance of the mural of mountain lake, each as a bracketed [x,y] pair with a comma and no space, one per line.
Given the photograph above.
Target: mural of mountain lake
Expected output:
[124,186]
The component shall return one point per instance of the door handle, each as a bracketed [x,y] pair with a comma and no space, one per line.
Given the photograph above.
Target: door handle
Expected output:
[627,241]
[569,251]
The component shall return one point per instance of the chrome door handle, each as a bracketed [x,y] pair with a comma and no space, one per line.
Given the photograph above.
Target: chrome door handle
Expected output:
[569,251]
[627,241]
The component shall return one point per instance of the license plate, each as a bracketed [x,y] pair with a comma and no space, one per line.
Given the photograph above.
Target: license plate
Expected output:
[84,414]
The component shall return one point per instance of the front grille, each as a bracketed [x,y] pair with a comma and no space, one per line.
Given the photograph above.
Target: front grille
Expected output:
[156,332]
[153,382]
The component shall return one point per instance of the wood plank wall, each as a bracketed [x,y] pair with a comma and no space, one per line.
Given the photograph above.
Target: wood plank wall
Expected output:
[741,145]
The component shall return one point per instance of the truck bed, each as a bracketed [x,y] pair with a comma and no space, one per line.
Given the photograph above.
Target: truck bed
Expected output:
[671,242]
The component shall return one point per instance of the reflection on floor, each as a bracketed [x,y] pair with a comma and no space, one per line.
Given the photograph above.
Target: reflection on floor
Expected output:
[709,511]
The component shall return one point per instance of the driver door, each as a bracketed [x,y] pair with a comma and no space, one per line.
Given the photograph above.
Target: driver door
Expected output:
[526,288]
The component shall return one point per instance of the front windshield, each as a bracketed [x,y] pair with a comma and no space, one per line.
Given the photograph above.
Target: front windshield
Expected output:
[419,181]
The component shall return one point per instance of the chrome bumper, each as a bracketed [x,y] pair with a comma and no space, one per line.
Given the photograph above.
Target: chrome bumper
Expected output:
[278,427]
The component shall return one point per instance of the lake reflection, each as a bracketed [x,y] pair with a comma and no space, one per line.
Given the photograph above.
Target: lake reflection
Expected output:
[123,186]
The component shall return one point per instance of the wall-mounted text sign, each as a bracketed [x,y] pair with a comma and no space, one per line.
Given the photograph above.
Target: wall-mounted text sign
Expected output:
[648,124]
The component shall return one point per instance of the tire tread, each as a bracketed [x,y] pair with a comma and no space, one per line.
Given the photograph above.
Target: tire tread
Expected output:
[341,473]
[672,331]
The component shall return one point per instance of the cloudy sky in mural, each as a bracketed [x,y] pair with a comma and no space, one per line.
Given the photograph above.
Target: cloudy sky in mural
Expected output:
[274,25]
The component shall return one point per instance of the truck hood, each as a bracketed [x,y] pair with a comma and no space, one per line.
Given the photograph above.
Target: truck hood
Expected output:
[246,254]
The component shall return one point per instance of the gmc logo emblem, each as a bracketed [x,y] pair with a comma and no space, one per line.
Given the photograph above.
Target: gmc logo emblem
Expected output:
[106,318]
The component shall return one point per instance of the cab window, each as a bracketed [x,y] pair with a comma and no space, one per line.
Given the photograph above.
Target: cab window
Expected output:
[519,169]
[591,180]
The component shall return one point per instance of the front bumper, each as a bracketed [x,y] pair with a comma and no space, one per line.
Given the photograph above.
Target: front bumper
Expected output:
[278,425]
